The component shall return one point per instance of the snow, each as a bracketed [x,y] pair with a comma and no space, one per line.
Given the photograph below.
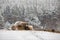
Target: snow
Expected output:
[28,35]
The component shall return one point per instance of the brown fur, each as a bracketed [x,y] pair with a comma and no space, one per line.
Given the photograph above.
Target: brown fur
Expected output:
[21,26]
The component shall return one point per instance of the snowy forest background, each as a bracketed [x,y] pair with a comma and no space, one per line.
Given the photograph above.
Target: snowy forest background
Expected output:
[42,14]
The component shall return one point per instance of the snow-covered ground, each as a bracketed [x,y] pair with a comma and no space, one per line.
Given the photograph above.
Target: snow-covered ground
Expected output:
[28,35]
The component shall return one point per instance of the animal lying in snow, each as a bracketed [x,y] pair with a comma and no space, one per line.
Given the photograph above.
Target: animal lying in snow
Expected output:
[20,25]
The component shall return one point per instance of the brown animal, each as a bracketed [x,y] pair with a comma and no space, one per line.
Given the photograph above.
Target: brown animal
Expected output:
[19,25]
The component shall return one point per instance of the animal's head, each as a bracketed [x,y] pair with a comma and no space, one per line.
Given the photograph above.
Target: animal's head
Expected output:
[29,27]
